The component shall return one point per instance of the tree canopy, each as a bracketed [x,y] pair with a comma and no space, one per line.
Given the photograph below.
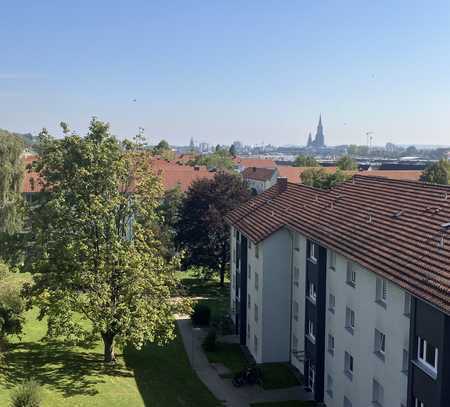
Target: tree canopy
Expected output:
[11,175]
[318,178]
[201,230]
[219,160]
[305,161]
[346,163]
[437,173]
[94,251]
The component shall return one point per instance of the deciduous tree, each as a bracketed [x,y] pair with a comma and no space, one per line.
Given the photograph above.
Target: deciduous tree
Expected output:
[94,252]
[437,173]
[318,178]
[346,163]
[305,161]
[201,230]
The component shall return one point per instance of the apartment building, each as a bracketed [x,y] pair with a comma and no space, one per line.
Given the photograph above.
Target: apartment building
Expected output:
[351,286]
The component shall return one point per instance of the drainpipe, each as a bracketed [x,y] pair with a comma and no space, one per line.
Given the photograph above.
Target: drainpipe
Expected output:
[291,265]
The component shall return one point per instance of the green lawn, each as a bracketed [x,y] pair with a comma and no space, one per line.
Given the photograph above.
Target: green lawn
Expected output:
[76,377]
[209,291]
[229,355]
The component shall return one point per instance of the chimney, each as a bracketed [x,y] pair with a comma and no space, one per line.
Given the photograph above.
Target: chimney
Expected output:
[282,184]
[196,168]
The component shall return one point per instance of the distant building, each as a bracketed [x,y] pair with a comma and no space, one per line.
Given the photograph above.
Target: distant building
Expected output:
[260,179]
[319,140]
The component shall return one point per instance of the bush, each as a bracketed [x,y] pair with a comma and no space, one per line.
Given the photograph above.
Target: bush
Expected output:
[201,314]
[223,324]
[28,394]
[209,343]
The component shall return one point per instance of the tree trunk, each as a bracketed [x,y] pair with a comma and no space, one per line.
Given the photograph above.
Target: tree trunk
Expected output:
[222,275]
[108,342]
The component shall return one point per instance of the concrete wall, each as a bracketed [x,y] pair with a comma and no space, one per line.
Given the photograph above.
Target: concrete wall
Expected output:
[369,315]
[276,303]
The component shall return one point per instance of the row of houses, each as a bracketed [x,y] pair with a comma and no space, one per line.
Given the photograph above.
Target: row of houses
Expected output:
[350,286]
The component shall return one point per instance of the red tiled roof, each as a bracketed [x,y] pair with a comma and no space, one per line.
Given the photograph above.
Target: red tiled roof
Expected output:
[172,175]
[255,162]
[407,175]
[258,174]
[391,227]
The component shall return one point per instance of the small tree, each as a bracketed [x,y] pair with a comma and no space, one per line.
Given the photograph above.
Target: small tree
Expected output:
[318,178]
[93,247]
[305,161]
[11,305]
[201,230]
[346,163]
[437,173]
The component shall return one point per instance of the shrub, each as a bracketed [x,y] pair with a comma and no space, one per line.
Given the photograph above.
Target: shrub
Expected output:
[223,324]
[201,314]
[28,394]
[209,343]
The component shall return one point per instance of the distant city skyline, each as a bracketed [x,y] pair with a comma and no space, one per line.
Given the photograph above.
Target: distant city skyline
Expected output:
[224,71]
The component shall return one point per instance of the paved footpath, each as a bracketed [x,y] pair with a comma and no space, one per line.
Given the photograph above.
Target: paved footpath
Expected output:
[223,389]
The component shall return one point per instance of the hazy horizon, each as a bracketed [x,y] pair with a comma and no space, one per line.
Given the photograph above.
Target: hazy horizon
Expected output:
[219,72]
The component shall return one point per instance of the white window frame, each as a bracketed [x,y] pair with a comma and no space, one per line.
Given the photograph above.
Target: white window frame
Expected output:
[255,312]
[331,302]
[331,344]
[377,393]
[381,291]
[295,310]
[349,364]
[312,252]
[312,292]
[351,274]
[311,334]
[256,281]
[350,318]
[332,261]
[422,358]
[380,343]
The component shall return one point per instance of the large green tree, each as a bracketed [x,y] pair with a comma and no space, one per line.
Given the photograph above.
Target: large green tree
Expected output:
[318,178]
[305,161]
[11,175]
[201,230]
[94,251]
[346,163]
[437,173]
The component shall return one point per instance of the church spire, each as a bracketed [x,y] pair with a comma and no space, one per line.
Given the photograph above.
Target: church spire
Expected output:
[310,142]
[319,140]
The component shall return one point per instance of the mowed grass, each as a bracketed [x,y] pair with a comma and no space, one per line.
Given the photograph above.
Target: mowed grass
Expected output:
[292,403]
[75,375]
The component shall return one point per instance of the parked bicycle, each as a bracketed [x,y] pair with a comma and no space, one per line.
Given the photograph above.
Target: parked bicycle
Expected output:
[251,375]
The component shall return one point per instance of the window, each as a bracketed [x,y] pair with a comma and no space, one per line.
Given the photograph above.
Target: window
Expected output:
[311,333]
[351,274]
[248,301]
[331,344]
[256,250]
[255,311]
[427,355]
[256,281]
[332,261]
[234,255]
[405,361]
[418,403]
[255,343]
[296,242]
[381,291]
[294,343]
[350,320]
[377,393]
[295,310]
[312,293]
[331,303]
[380,343]
[249,273]
[296,276]
[248,331]
[347,402]
[312,251]
[407,306]
[330,385]
[348,365]
[311,376]
[249,245]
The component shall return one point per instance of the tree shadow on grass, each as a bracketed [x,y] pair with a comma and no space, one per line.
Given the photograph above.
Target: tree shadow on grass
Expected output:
[164,376]
[61,367]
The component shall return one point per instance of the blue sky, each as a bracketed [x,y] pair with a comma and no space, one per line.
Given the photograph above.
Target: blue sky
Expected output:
[218,71]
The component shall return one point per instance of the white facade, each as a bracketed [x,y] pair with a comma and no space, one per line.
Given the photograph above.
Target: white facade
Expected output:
[260,186]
